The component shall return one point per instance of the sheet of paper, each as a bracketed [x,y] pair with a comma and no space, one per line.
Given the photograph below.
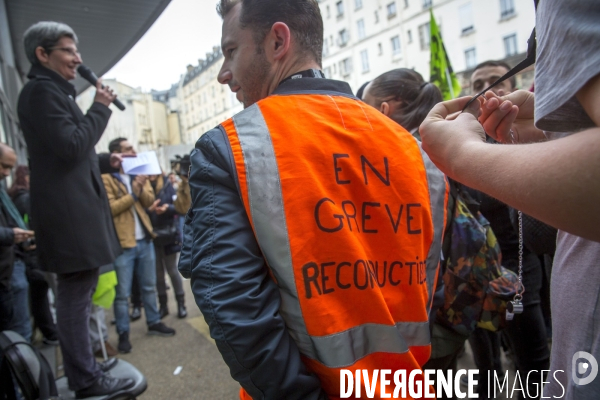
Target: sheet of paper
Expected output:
[145,163]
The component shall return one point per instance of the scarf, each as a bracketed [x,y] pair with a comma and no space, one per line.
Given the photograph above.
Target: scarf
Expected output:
[12,210]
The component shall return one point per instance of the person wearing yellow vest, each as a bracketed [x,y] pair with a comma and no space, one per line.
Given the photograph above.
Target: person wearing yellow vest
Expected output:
[314,235]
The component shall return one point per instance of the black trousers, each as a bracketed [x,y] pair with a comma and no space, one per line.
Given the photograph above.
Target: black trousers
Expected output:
[73,305]
[136,294]
[40,306]
[449,362]
[6,308]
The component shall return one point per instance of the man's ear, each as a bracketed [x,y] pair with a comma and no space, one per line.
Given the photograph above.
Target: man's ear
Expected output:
[385,108]
[41,54]
[278,41]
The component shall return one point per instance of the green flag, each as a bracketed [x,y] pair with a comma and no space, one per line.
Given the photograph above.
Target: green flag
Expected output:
[441,72]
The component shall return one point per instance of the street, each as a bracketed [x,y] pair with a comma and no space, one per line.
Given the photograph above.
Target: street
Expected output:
[203,374]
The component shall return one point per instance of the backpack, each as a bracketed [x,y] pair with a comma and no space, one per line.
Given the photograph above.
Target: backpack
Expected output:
[476,287]
[31,371]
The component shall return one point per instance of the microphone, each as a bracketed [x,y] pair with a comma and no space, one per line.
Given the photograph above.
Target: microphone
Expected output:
[91,77]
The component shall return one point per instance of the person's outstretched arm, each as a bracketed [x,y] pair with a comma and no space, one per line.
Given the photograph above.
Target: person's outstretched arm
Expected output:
[231,283]
[557,182]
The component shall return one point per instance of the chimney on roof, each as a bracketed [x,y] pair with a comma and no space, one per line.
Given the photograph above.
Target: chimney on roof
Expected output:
[190,67]
[216,49]
[200,61]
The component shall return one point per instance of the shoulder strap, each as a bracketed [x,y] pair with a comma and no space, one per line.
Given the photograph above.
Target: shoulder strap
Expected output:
[46,386]
[530,60]
[7,386]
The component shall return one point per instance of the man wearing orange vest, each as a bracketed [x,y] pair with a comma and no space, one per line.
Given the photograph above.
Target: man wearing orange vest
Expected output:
[315,230]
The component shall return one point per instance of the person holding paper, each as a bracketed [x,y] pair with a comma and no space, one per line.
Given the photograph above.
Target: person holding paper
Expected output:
[129,196]
[143,164]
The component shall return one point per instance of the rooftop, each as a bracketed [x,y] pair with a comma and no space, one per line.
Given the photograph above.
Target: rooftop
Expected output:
[203,65]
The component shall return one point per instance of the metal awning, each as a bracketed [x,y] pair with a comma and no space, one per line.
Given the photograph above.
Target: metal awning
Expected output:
[107,29]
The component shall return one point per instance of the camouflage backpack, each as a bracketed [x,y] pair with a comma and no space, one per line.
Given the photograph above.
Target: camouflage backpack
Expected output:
[476,286]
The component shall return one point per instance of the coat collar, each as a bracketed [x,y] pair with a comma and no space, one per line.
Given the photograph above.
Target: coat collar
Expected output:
[313,84]
[38,71]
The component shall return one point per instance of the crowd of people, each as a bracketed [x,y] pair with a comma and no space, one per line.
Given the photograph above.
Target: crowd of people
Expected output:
[313,309]
[312,253]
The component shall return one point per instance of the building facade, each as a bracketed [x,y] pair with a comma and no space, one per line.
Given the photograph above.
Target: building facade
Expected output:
[170,99]
[365,38]
[203,102]
[147,123]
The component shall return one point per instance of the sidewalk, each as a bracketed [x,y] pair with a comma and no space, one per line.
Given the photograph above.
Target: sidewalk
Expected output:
[203,376]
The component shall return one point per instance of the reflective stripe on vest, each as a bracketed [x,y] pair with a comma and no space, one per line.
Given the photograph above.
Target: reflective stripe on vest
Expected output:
[260,149]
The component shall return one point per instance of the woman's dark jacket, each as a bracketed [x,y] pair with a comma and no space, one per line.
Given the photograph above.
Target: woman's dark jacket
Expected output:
[69,208]
[165,192]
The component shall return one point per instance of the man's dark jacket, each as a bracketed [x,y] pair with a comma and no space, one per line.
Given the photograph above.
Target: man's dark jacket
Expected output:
[7,239]
[69,208]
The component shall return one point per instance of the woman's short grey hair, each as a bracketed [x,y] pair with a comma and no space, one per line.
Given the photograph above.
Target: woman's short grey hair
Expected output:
[45,34]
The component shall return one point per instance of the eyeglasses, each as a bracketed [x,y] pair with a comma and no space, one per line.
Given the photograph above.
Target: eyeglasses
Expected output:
[70,51]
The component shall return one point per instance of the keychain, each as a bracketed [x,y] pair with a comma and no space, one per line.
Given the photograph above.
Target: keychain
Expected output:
[516,306]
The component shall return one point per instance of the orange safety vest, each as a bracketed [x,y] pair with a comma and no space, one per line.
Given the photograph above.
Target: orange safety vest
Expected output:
[349,213]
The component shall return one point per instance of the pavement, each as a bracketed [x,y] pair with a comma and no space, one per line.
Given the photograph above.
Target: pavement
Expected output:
[203,373]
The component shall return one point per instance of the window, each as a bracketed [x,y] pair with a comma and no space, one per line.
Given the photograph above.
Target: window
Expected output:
[510,45]
[466,18]
[1,80]
[325,48]
[380,48]
[328,12]
[364,58]
[507,8]
[346,66]
[2,132]
[409,34]
[327,72]
[340,8]
[376,17]
[405,3]
[357,4]
[470,58]
[424,36]
[391,10]
[344,38]
[396,45]
[360,25]
[427,3]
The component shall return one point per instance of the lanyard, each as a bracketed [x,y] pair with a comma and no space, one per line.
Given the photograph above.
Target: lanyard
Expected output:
[530,60]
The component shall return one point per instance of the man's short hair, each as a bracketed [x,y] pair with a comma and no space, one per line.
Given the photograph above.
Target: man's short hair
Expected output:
[493,63]
[115,145]
[303,17]
[45,34]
